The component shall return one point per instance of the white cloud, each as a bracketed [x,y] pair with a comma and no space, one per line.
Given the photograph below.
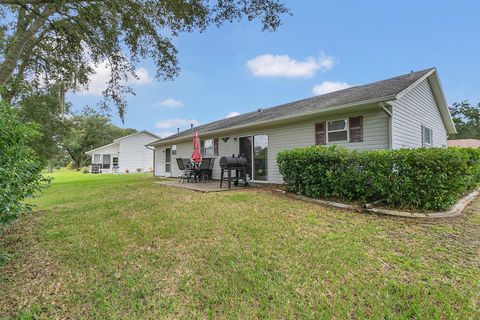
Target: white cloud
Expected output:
[98,80]
[232,114]
[329,86]
[169,103]
[143,77]
[268,65]
[176,123]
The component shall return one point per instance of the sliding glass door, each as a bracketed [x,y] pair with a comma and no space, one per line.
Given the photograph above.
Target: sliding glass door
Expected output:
[245,146]
[255,149]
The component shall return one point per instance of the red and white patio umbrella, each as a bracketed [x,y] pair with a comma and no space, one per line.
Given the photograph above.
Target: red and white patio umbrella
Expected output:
[196,155]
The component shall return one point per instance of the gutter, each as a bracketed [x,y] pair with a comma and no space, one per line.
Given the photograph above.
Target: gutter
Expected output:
[390,128]
[299,115]
[153,149]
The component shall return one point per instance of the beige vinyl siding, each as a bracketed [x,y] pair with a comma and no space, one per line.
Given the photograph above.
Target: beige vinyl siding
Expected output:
[286,136]
[416,108]
[297,135]
[134,155]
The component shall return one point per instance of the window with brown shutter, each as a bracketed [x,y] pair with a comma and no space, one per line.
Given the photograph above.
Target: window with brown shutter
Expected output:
[215,147]
[356,128]
[320,133]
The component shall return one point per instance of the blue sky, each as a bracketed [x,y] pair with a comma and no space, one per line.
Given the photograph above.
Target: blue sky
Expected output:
[325,45]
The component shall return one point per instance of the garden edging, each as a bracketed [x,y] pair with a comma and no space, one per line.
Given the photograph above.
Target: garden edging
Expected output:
[453,211]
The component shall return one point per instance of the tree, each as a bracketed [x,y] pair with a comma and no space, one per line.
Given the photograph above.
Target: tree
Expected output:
[20,168]
[44,109]
[87,131]
[467,120]
[48,42]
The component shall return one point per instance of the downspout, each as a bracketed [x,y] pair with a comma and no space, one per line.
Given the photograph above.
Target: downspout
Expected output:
[388,112]
[153,158]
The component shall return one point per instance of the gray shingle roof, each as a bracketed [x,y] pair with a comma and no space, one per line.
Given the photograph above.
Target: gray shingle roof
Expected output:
[376,90]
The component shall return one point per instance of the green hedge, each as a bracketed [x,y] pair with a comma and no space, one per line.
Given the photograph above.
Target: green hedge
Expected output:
[433,178]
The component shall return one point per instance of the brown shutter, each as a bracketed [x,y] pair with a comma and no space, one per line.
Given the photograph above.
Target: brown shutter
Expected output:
[355,126]
[202,147]
[215,147]
[320,133]
[423,136]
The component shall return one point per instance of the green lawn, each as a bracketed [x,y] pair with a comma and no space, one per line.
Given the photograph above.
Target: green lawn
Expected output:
[119,246]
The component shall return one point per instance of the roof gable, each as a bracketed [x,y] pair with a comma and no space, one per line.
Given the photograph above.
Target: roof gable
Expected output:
[137,133]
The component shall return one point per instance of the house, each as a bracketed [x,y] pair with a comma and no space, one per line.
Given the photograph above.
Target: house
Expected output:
[125,154]
[464,143]
[408,111]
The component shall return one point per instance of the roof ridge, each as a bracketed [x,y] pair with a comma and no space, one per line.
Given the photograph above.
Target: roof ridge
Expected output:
[351,95]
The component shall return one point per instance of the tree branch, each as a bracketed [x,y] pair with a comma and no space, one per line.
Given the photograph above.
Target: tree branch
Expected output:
[18,44]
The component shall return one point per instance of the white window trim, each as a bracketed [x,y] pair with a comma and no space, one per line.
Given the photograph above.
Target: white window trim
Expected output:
[425,136]
[332,131]
[173,151]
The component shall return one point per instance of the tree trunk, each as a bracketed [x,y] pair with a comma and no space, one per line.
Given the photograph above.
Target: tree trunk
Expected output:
[50,169]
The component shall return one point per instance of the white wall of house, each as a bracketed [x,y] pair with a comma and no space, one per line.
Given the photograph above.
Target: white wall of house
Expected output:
[416,108]
[283,137]
[111,149]
[134,156]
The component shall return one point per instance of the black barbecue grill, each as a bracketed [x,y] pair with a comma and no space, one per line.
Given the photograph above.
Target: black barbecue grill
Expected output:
[237,164]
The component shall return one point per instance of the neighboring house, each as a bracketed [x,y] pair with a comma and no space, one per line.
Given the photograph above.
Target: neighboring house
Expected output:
[464,143]
[125,154]
[408,111]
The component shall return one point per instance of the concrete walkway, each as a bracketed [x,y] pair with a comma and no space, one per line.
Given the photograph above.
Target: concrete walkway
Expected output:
[213,186]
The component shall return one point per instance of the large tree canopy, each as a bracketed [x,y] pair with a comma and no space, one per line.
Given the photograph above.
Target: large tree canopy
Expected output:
[467,120]
[49,42]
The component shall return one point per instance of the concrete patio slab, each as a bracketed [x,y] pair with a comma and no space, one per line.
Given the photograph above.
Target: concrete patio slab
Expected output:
[213,186]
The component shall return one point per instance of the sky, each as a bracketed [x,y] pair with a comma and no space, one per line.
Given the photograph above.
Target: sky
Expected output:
[325,45]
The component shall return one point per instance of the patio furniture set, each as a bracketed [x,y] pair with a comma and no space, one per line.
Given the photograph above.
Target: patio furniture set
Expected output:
[194,171]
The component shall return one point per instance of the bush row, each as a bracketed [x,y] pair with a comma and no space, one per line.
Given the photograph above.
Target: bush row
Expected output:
[432,178]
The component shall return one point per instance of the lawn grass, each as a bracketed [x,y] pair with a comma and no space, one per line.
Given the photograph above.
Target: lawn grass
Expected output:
[119,246]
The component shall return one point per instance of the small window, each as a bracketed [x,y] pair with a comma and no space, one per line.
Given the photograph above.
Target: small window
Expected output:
[115,161]
[174,149]
[208,148]
[96,159]
[427,137]
[337,131]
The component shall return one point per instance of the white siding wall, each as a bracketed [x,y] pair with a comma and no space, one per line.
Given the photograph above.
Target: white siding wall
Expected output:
[112,150]
[416,108]
[134,155]
[286,136]
[160,161]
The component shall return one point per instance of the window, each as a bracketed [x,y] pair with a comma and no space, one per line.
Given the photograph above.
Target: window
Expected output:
[209,147]
[106,161]
[96,159]
[337,131]
[115,161]
[174,149]
[427,137]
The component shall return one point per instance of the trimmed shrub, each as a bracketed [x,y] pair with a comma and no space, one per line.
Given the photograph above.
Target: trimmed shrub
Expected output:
[431,179]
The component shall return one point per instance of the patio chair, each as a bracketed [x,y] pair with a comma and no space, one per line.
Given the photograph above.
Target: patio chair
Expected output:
[186,170]
[204,168]
[210,169]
